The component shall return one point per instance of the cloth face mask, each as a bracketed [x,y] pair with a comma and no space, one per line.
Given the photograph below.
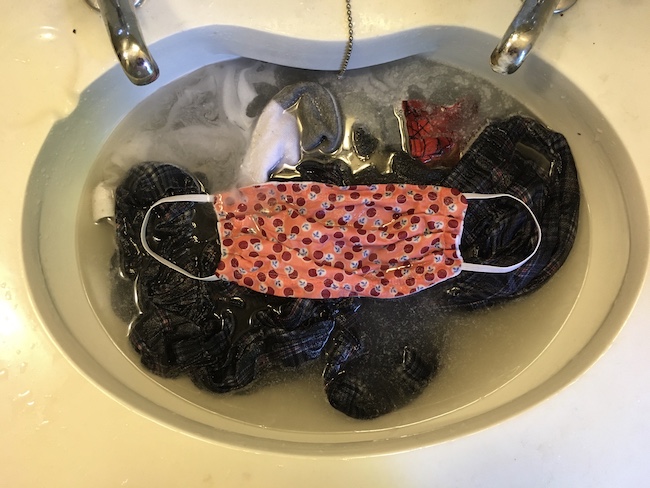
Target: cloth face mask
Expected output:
[314,240]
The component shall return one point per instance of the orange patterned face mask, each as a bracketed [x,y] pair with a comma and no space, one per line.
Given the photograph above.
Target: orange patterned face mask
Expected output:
[314,240]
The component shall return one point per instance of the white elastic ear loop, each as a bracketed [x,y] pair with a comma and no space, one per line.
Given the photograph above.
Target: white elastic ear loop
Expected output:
[487,268]
[199,198]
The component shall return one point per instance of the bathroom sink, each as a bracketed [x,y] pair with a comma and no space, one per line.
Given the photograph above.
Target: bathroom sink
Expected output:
[504,362]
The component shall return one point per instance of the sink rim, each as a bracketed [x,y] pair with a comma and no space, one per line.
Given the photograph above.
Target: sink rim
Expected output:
[595,347]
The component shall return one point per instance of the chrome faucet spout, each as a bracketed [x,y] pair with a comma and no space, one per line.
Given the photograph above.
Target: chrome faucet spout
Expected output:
[523,32]
[126,37]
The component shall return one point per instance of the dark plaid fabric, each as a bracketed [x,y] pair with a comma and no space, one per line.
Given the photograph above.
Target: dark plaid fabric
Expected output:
[224,336]
[518,156]
[221,335]
[285,337]
[369,373]
[500,162]
[366,378]
[170,225]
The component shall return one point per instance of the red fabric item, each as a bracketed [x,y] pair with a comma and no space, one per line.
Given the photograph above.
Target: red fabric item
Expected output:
[433,131]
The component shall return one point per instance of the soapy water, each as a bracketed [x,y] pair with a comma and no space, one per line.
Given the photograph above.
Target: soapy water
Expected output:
[203,122]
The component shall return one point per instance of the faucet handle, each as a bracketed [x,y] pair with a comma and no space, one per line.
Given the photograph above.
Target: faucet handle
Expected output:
[523,32]
[561,6]
[126,37]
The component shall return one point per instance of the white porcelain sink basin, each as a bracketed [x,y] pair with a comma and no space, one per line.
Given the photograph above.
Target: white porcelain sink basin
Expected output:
[504,362]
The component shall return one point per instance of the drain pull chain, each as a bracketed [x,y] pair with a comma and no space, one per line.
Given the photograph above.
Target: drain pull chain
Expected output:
[348,47]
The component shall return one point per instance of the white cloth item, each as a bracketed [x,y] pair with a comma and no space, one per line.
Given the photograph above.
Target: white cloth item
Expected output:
[275,141]
[103,202]
[237,92]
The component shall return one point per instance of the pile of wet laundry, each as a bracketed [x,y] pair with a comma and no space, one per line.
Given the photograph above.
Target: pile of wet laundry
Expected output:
[224,332]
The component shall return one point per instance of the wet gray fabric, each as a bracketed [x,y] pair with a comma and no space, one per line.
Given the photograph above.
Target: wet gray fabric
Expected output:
[318,112]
